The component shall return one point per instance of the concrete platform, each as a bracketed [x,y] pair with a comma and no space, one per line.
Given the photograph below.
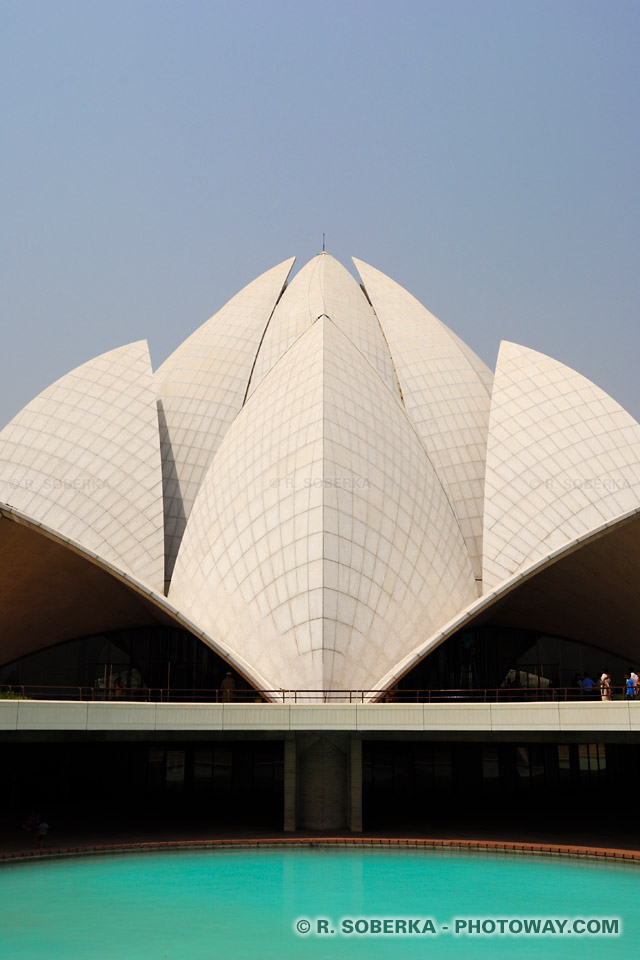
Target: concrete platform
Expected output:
[478,718]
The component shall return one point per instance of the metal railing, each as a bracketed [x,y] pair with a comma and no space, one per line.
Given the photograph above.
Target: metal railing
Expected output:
[395,696]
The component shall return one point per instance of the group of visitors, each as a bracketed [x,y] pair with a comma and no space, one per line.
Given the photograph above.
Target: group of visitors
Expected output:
[38,828]
[590,686]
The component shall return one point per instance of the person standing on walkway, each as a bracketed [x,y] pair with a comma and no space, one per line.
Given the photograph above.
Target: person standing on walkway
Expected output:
[228,687]
[605,685]
[43,830]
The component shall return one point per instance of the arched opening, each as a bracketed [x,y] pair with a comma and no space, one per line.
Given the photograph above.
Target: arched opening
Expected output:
[156,662]
[511,660]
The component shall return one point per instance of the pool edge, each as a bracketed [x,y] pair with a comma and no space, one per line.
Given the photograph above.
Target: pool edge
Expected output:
[494,846]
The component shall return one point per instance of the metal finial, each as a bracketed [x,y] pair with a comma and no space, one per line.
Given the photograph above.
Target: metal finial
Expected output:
[323,242]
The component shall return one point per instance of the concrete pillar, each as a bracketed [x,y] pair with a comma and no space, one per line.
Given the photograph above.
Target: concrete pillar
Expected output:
[290,785]
[355,785]
[323,781]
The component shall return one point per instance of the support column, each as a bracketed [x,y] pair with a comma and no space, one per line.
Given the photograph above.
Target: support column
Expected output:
[355,785]
[323,780]
[290,785]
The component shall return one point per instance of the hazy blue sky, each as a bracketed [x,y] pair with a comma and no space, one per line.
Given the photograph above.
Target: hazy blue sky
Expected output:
[157,156]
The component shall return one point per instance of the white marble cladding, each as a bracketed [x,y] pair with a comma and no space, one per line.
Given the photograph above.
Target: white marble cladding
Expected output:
[333,470]
[201,388]
[562,458]
[323,288]
[447,393]
[322,545]
[83,458]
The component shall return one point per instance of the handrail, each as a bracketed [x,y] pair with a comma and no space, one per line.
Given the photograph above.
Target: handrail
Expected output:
[284,696]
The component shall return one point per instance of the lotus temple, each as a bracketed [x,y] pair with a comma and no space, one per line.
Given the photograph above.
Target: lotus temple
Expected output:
[323,569]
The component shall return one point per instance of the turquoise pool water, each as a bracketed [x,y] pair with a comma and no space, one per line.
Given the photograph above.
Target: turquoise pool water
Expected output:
[244,904]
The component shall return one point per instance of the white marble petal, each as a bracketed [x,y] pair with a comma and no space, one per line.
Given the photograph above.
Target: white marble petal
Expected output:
[321,546]
[324,288]
[562,457]
[83,457]
[201,388]
[446,390]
